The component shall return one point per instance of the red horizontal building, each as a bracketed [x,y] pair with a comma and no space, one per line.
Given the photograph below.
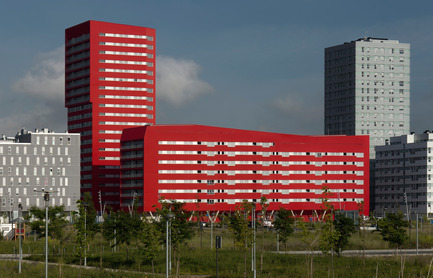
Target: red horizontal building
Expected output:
[213,169]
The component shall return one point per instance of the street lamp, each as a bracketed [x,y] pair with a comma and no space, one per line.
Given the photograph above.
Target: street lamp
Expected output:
[85,205]
[169,217]
[254,240]
[47,202]
[20,207]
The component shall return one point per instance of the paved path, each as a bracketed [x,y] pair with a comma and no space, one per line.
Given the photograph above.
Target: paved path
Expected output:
[377,252]
[12,257]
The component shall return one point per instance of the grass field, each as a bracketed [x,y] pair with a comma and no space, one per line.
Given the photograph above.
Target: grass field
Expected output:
[197,258]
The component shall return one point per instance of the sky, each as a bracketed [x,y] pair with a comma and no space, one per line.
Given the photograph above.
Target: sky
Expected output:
[254,65]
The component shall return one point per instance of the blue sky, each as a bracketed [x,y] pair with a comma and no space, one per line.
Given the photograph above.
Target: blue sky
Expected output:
[242,64]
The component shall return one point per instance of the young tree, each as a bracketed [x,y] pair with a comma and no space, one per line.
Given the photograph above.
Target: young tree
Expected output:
[310,236]
[392,229]
[264,204]
[361,229]
[345,227]
[57,226]
[181,228]
[283,224]
[329,234]
[68,234]
[150,244]
[56,218]
[92,226]
[123,227]
[238,225]
[80,226]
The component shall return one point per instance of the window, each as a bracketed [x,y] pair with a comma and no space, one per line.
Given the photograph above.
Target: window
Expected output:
[401,51]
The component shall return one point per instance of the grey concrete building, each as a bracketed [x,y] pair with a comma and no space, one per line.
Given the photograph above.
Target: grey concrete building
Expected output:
[32,162]
[367,89]
[404,175]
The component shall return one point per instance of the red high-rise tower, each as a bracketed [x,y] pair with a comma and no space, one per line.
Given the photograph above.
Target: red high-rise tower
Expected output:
[109,86]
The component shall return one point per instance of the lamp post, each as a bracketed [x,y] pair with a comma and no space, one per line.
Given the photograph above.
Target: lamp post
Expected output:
[85,231]
[254,240]
[20,207]
[47,201]
[169,217]
[85,237]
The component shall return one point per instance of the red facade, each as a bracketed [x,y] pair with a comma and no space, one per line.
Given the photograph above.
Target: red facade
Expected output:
[213,169]
[109,86]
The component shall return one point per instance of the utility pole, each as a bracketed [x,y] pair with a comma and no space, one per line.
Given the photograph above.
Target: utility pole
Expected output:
[46,195]
[85,234]
[254,241]
[20,207]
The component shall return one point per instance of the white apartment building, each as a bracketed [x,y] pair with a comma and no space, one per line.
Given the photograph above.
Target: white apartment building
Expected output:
[32,162]
[367,89]
[404,167]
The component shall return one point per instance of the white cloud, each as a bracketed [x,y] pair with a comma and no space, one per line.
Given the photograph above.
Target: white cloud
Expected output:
[294,113]
[46,78]
[42,115]
[178,80]
[38,101]
[288,104]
